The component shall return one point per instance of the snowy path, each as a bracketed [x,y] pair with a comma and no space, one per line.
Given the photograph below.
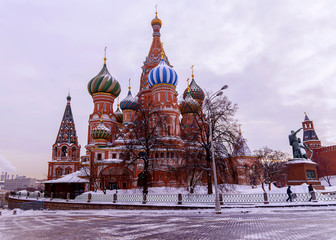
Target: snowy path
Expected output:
[279,223]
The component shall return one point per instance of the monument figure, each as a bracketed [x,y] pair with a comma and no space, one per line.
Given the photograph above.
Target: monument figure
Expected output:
[303,148]
[294,142]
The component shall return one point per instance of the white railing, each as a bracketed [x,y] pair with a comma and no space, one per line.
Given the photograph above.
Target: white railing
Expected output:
[191,198]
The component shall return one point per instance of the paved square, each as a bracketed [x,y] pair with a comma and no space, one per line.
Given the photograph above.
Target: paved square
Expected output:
[282,224]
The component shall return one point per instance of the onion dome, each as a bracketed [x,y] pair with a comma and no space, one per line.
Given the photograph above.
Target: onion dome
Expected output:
[104,83]
[129,102]
[119,115]
[189,105]
[156,21]
[162,73]
[195,91]
[101,131]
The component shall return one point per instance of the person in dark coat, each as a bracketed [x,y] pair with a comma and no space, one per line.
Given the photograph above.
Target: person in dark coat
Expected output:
[289,193]
[311,191]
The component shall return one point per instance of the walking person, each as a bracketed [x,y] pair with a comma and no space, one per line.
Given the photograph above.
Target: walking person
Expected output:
[311,191]
[289,193]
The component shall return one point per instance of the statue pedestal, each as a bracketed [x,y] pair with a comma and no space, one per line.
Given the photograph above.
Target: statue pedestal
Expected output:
[301,170]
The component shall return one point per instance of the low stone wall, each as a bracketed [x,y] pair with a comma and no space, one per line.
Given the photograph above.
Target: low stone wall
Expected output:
[57,205]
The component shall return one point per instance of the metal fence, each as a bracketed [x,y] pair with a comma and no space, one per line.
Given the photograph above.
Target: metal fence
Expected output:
[190,198]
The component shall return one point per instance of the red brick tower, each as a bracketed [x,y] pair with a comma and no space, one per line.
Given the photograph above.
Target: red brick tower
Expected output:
[104,89]
[66,151]
[309,135]
[129,106]
[162,81]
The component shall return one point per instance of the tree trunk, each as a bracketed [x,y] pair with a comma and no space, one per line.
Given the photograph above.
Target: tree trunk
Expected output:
[209,178]
[145,178]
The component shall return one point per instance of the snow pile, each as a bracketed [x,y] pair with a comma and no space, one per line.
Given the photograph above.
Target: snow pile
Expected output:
[328,188]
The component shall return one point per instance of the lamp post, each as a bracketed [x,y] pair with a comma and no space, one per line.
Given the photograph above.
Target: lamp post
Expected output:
[217,203]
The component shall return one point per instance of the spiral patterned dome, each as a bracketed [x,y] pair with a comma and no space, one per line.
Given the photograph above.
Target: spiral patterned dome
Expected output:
[104,83]
[195,91]
[129,102]
[162,73]
[101,131]
[119,115]
[189,105]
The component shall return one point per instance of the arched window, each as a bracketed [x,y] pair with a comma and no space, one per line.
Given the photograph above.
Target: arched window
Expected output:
[161,155]
[64,151]
[169,130]
[156,155]
[58,172]
[67,170]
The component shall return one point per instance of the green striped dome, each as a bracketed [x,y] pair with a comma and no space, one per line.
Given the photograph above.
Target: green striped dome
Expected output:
[119,115]
[101,132]
[104,83]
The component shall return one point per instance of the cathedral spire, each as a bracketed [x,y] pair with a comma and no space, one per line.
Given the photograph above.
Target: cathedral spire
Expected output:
[154,55]
[67,130]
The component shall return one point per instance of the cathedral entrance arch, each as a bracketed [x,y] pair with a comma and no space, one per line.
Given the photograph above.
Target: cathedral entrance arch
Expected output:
[116,177]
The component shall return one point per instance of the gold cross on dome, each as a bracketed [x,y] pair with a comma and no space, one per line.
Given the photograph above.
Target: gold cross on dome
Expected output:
[129,84]
[192,71]
[105,55]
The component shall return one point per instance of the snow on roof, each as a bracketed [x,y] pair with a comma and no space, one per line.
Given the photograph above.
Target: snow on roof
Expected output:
[111,160]
[75,177]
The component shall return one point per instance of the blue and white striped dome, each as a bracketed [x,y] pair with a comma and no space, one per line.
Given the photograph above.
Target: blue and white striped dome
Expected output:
[162,73]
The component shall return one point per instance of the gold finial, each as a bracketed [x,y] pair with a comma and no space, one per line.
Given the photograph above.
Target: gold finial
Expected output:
[156,10]
[129,84]
[69,93]
[192,71]
[105,55]
[305,113]
[162,55]
[239,129]
[188,85]
[101,116]
[118,102]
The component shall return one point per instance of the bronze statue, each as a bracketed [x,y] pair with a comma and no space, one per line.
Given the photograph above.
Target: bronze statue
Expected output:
[294,142]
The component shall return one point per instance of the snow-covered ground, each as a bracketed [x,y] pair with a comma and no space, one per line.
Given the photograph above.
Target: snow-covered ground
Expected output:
[229,188]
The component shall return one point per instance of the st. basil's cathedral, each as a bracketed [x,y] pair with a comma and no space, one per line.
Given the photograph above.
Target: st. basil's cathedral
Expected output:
[106,151]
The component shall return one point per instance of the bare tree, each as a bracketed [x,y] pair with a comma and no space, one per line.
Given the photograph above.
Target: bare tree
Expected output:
[145,135]
[324,168]
[271,167]
[224,131]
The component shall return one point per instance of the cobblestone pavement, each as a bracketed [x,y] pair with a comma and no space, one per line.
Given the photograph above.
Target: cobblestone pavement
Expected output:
[279,224]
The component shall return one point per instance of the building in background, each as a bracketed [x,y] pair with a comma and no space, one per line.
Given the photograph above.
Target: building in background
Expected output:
[21,183]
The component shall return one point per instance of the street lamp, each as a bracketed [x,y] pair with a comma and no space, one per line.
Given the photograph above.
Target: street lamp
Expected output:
[217,203]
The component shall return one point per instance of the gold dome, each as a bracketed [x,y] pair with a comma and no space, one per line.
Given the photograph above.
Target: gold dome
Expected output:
[156,21]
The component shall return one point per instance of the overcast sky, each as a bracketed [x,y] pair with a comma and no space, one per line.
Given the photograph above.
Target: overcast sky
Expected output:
[278,58]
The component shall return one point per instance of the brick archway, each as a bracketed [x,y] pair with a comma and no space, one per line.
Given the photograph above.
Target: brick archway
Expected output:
[113,177]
